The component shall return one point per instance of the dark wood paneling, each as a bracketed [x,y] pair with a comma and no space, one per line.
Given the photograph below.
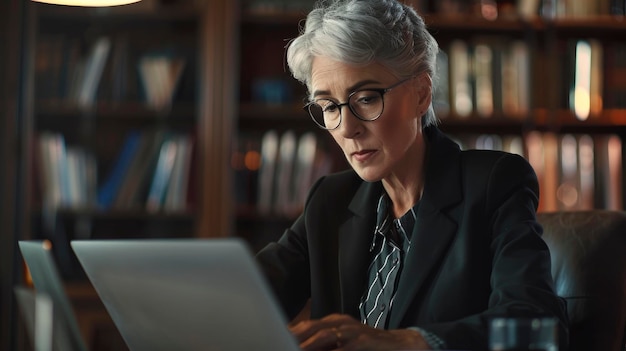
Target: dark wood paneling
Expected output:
[12,45]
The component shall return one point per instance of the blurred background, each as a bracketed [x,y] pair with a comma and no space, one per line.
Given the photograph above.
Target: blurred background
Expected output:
[179,119]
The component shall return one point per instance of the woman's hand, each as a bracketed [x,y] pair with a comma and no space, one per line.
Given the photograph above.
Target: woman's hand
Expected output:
[342,332]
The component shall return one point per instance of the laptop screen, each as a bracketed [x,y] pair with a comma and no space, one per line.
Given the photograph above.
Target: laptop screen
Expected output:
[47,280]
[191,294]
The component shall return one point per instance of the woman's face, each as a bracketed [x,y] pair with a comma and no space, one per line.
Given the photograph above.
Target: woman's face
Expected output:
[388,146]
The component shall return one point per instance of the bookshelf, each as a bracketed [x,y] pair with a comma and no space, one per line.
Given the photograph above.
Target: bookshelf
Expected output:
[520,70]
[88,85]
[115,102]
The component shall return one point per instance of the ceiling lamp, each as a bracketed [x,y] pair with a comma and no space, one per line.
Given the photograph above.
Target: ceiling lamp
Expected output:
[89,3]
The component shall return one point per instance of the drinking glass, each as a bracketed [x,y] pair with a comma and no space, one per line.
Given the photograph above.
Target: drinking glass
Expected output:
[523,334]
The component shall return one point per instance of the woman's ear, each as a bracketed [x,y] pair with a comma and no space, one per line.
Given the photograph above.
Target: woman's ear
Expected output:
[424,87]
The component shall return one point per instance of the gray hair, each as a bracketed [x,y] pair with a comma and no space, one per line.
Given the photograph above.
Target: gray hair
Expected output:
[361,32]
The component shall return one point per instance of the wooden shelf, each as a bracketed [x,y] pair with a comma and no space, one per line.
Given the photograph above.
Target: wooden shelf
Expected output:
[121,214]
[105,110]
[593,23]
[610,121]
[473,23]
[110,108]
[259,17]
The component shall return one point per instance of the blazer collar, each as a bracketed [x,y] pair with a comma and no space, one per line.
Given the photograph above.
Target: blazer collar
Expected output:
[434,228]
[355,237]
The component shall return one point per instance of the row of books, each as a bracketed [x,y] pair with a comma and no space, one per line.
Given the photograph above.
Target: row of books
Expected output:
[67,174]
[489,9]
[575,171]
[582,8]
[274,171]
[485,77]
[83,73]
[494,9]
[493,76]
[66,69]
[152,171]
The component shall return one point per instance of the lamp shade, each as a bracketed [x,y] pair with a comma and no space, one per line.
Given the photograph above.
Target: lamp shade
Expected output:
[89,3]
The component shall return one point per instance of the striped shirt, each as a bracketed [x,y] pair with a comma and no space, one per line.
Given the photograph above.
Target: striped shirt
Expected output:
[390,245]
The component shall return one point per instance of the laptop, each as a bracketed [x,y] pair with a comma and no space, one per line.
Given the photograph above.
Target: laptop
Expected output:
[185,294]
[48,284]
[44,325]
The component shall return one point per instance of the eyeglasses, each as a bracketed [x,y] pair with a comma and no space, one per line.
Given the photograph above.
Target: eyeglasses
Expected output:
[366,105]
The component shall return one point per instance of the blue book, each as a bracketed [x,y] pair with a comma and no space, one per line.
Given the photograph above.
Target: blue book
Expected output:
[107,192]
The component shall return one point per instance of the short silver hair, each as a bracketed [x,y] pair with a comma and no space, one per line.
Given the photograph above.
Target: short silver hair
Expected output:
[361,32]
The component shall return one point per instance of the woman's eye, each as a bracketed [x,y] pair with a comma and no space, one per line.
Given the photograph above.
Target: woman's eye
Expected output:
[330,108]
[366,98]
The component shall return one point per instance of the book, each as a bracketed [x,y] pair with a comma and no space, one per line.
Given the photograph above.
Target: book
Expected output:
[551,171]
[162,175]
[109,189]
[483,73]
[441,84]
[587,181]
[516,80]
[284,173]
[267,171]
[460,80]
[92,74]
[303,172]
[134,188]
[160,75]
[528,9]
[542,154]
[175,198]
[608,165]
[117,84]
[513,144]
[76,174]
[50,146]
[596,79]
[488,142]
[567,192]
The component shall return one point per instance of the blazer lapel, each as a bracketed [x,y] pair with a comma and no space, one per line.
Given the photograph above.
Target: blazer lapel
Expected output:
[434,229]
[432,235]
[355,237]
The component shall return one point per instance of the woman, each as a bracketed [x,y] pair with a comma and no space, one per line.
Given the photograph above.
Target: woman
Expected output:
[420,244]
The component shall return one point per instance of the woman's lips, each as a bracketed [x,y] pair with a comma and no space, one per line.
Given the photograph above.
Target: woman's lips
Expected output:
[363,155]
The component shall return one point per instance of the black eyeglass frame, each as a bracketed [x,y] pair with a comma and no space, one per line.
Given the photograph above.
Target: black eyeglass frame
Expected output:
[381,91]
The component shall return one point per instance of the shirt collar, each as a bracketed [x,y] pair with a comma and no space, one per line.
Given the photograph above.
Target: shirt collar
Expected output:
[384,220]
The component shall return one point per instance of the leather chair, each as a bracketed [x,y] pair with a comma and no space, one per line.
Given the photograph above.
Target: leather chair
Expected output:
[588,251]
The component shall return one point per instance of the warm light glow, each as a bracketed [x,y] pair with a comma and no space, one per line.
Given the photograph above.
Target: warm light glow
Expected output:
[581,94]
[89,3]
[252,160]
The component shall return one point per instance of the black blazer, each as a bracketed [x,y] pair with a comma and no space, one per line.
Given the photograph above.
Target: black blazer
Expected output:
[476,249]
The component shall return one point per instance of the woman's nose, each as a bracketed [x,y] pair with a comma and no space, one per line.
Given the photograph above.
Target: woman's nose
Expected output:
[351,126]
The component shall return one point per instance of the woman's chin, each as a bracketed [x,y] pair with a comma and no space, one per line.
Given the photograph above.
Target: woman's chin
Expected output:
[368,175]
